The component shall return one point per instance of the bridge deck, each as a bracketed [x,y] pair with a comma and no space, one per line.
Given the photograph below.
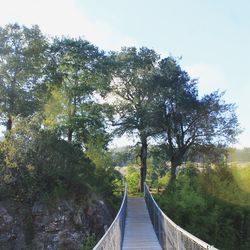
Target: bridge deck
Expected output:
[139,232]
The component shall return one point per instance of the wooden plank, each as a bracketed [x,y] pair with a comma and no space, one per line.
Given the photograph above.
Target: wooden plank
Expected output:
[139,232]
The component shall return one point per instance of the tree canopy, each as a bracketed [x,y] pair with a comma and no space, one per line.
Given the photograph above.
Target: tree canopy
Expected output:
[69,83]
[133,88]
[22,60]
[184,119]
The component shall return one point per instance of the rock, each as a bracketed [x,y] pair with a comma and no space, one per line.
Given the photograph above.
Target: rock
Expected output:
[52,227]
[39,209]
[3,211]
[5,218]
[10,230]
[68,241]
[78,218]
[64,226]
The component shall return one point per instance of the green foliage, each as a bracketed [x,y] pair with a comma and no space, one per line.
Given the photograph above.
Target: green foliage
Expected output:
[134,94]
[133,179]
[122,156]
[107,180]
[241,175]
[211,206]
[76,74]
[186,121]
[163,181]
[56,109]
[22,60]
[227,184]
[90,242]
[36,163]
[158,155]
[58,192]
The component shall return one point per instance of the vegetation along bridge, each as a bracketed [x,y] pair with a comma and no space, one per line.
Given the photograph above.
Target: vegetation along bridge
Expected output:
[140,224]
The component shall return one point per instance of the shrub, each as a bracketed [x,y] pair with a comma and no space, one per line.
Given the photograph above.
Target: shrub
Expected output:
[212,206]
[35,162]
[90,242]
[133,180]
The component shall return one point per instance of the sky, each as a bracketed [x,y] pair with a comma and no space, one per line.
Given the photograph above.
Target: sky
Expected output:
[211,37]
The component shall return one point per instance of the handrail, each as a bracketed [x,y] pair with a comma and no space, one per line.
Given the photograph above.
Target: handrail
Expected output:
[169,234]
[112,239]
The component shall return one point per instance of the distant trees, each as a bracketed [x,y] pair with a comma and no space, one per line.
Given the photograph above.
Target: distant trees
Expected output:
[238,155]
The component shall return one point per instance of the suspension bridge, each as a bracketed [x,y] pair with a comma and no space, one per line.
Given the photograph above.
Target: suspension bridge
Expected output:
[141,225]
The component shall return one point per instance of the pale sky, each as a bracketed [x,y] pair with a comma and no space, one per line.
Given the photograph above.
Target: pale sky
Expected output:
[211,36]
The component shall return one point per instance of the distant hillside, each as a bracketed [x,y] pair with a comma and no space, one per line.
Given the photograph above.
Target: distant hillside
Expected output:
[239,155]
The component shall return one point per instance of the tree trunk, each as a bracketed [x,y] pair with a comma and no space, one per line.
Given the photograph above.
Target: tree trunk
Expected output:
[143,158]
[71,115]
[70,134]
[9,123]
[174,165]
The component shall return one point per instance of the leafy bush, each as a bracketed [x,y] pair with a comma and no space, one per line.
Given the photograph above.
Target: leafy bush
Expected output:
[133,179]
[163,181]
[212,206]
[90,242]
[37,163]
[241,175]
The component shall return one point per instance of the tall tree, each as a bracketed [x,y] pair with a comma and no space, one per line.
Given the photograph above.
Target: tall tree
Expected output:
[187,120]
[134,91]
[77,74]
[22,60]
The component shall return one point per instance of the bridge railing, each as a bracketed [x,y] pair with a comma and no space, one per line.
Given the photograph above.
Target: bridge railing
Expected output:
[169,234]
[113,237]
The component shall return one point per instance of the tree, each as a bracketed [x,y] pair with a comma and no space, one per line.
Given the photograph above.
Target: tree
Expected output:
[133,89]
[22,60]
[185,120]
[77,74]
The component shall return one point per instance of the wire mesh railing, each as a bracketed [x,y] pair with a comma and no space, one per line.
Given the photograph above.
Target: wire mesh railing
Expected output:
[112,239]
[170,235]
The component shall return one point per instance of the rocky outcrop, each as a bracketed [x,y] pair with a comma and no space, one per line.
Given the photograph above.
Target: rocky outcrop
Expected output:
[63,225]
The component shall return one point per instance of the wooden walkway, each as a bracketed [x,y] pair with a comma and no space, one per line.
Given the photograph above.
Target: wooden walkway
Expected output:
[139,231]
